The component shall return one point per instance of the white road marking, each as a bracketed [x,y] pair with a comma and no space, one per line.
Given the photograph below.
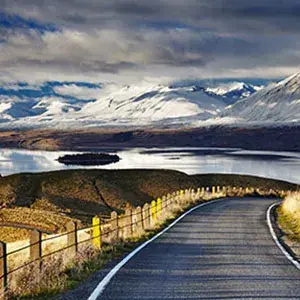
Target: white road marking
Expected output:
[105,281]
[288,256]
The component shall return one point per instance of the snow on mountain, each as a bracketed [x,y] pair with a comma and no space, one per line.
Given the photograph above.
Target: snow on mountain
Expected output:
[77,105]
[233,91]
[276,103]
[148,103]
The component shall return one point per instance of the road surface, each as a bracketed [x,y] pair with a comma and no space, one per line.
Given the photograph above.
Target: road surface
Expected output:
[221,251]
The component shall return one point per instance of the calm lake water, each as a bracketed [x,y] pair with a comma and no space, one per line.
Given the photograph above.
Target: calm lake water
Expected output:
[278,165]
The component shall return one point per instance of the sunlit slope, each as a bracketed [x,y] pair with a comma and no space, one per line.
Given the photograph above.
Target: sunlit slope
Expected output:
[277,103]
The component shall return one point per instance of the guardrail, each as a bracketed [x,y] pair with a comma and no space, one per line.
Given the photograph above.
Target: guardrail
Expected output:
[132,223]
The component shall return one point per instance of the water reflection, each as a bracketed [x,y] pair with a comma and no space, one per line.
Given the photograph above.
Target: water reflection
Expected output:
[278,165]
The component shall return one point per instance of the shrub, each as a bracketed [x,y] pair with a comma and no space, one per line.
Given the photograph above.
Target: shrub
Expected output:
[289,215]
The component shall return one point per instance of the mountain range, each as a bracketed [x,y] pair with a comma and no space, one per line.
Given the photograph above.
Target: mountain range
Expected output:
[77,104]
[71,105]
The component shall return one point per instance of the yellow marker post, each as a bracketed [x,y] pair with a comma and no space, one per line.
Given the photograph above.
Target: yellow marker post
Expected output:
[153,211]
[96,232]
[159,207]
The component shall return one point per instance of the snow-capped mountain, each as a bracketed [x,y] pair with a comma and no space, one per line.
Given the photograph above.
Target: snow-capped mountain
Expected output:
[233,91]
[77,105]
[226,91]
[81,104]
[276,103]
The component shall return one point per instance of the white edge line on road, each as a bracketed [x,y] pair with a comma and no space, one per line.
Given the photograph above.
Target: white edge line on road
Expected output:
[288,256]
[105,281]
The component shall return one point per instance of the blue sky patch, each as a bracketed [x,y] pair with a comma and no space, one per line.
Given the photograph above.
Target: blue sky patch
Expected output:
[46,90]
[17,22]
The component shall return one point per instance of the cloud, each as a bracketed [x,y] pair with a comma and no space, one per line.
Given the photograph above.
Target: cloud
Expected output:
[81,92]
[128,40]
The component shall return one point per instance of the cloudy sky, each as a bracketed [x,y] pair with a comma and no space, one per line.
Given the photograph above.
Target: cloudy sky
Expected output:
[127,40]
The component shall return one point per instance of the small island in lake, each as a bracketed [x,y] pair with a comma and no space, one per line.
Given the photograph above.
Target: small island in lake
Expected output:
[89,159]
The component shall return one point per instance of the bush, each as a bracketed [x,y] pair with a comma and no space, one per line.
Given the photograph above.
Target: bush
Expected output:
[289,215]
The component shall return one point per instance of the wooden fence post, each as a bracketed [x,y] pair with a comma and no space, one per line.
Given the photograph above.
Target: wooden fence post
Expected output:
[207,192]
[213,190]
[139,221]
[224,190]
[186,196]
[3,271]
[72,238]
[191,198]
[128,224]
[114,227]
[164,207]
[146,216]
[159,208]
[134,221]
[36,248]
[168,208]
[202,192]
[96,232]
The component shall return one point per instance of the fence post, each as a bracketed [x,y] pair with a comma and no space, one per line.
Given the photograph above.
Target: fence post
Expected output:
[224,191]
[186,197]
[213,190]
[3,270]
[202,192]
[192,196]
[168,204]
[128,224]
[207,192]
[72,238]
[146,216]
[114,226]
[153,212]
[96,232]
[182,196]
[134,217]
[164,207]
[139,221]
[159,208]
[36,248]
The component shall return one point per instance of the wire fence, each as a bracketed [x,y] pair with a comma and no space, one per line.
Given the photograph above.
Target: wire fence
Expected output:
[132,223]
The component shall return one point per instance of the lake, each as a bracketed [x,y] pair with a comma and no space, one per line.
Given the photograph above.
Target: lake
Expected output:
[277,165]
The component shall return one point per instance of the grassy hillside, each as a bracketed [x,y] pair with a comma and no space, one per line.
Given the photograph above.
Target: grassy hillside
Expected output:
[42,199]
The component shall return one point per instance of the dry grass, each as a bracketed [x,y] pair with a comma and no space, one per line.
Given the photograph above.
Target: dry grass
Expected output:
[39,219]
[289,215]
[60,272]
[10,234]
[56,271]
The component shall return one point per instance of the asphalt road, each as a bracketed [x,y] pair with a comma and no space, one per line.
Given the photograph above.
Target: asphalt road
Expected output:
[221,251]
